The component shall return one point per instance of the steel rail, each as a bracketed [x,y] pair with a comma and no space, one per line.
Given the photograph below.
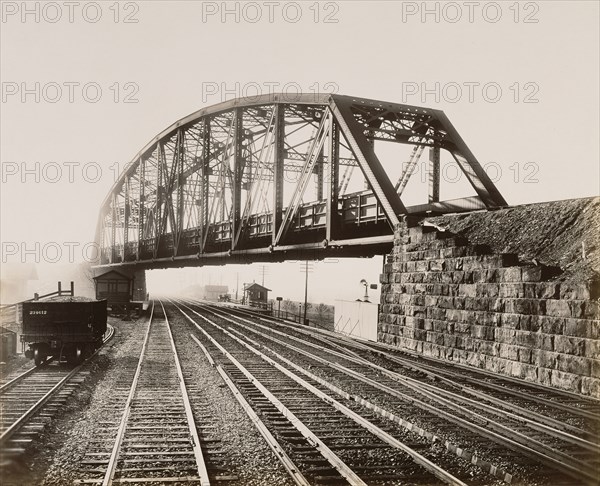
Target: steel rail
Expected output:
[473,427]
[442,376]
[373,347]
[377,347]
[540,427]
[435,371]
[409,426]
[8,433]
[465,454]
[9,384]
[12,430]
[200,463]
[429,466]
[542,452]
[287,462]
[429,369]
[331,457]
[112,463]
[584,414]
[567,437]
[23,375]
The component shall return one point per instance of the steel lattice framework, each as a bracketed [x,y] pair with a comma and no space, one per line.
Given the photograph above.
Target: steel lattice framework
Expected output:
[267,179]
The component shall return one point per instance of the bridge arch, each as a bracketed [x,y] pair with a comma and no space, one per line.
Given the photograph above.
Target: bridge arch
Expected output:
[268,178]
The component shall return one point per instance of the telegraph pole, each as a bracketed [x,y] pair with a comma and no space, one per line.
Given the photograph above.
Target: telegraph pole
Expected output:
[305,290]
[305,268]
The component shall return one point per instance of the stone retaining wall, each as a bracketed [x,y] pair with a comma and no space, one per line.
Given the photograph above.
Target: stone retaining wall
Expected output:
[444,298]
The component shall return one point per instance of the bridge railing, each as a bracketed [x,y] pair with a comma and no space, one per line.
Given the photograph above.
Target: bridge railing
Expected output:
[354,209]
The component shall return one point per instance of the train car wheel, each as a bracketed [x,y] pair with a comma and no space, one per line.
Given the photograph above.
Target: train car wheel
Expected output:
[38,356]
[75,356]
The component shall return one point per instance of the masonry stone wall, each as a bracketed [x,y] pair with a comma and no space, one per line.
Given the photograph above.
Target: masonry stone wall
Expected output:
[445,298]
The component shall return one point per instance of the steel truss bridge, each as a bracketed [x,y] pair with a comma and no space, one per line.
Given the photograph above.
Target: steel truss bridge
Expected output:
[269,179]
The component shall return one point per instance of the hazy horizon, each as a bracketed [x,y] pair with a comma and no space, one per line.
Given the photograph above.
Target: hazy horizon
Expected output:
[519,84]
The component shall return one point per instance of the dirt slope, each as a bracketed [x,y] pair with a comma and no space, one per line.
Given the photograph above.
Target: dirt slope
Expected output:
[555,233]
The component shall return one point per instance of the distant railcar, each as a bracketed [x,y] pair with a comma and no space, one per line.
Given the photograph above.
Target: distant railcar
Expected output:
[69,330]
[116,288]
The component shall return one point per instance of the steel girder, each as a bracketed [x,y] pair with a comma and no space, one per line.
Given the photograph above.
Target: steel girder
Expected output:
[234,180]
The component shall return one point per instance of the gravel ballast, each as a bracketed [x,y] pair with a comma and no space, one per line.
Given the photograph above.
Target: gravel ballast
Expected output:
[242,453]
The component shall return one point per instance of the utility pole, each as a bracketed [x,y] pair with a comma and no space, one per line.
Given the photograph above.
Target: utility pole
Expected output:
[237,284]
[305,289]
[262,271]
[305,268]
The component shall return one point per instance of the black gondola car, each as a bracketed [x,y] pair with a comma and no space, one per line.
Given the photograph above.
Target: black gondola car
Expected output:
[69,330]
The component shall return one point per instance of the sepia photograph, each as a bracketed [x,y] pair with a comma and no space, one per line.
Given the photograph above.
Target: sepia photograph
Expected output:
[311,242]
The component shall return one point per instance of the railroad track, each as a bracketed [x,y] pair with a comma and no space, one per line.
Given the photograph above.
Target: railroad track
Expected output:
[556,407]
[526,437]
[156,437]
[325,441]
[29,400]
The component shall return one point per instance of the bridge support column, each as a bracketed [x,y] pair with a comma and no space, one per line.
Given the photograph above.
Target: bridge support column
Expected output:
[139,285]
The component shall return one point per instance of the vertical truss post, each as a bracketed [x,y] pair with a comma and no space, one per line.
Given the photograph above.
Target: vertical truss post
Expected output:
[434,174]
[332,181]
[278,169]
[159,193]
[238,170]
[204,186]
[113,230]
[180,189]
[141,205]
[371,141]
[126,216]
[319,170]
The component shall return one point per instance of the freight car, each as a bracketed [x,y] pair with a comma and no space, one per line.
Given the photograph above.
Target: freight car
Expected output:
[70,330]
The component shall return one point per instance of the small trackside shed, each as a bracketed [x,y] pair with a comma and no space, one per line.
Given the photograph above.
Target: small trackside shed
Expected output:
[257,294]
[8,345]
[115,287]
